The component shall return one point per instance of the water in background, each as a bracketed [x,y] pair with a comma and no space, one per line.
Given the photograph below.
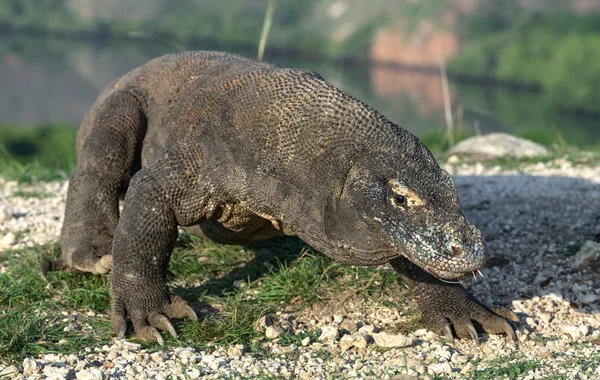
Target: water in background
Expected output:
[56,81]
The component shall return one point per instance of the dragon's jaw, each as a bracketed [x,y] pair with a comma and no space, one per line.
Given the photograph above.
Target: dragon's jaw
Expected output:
[448,257]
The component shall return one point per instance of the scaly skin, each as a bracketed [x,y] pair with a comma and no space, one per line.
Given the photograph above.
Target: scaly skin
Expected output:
[238,151]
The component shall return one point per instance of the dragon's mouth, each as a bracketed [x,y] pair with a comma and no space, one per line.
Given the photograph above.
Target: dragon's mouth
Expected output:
[447,252]
[445,268]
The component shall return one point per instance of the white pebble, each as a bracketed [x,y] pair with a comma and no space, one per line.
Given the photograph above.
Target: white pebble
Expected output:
[328,334]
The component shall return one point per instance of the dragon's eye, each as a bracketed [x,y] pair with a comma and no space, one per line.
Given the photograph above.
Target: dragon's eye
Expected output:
[399,200]
[402,196]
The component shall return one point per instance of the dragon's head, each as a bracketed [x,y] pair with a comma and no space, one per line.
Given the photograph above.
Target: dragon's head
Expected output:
[396,200]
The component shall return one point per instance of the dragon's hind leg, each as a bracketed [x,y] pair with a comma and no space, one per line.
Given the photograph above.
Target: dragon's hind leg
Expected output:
[107,145]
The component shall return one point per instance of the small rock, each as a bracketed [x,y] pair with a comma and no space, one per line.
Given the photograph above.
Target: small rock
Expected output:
[546,354]
[584,330]
[348,325]
[545,317]
[404,377]
[468,368]
[357,340]
[441,368]
[236,351]
[158,357]
[306,341]
[10,370]
[288,349]
[193,373]
[544,277]
[588,298]
[7,241]
[367,329]
[396,362]
[239,284]
[5,215]
[458,358]
[328,334]
[185,354]
[384,339]
[55,372]
[588,256]
[573,331]
[30,367]
[443,353]
[272,332]
[90,374]
[262,323]
[556,296]
[453,159]
[212,362]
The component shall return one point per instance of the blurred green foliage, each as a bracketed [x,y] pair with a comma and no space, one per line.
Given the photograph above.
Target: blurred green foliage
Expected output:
[549,46]
[44,153]
[41,14]
[557,51]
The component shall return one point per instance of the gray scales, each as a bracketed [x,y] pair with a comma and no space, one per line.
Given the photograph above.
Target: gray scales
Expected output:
[236,151]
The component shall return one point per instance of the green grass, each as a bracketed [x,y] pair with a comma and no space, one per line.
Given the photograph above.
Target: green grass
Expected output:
[280,275]
[31,319]
[507,368]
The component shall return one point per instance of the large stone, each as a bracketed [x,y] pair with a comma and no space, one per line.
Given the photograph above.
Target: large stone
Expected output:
[588,256]
[497,145]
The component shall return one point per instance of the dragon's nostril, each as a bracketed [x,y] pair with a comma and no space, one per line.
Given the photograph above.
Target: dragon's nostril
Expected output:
[457,250]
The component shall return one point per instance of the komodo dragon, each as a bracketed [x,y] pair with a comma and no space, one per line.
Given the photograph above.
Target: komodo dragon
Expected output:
[238,151]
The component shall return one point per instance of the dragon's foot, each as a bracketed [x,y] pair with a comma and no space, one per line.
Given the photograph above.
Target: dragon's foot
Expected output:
[454,312]
[149,316]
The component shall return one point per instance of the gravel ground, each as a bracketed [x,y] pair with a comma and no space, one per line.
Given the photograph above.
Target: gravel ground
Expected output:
[535,220]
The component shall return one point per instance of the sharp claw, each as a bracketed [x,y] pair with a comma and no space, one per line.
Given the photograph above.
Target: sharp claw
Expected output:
[158,338]
[44,267]
[162,323]
[505,313]
[122,330]
[481,274]
[448,333]
[512,316]
[510,332]
[190,313]
[171,330]
[472,332]
[180,309]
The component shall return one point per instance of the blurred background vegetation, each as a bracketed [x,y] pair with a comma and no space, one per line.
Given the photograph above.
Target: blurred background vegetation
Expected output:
[527,67]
